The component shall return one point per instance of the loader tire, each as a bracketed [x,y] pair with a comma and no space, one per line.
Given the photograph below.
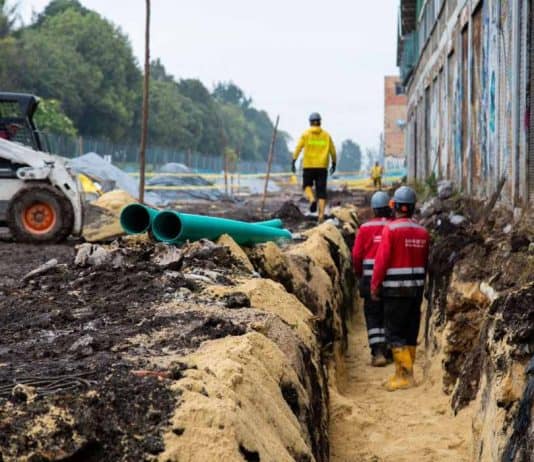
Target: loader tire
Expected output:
[40,214]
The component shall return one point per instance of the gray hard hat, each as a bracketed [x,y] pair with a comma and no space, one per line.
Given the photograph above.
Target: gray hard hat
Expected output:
[405,195]
[379,200]
[315,117]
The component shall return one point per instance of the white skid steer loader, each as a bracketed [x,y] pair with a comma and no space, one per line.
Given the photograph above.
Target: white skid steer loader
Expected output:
[40,199]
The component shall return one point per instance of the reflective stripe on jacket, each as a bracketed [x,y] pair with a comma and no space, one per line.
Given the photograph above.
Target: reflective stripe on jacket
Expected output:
[365,247]
[401,260]
[318,148]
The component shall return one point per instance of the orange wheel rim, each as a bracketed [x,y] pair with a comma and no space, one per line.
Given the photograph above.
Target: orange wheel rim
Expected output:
[39,218]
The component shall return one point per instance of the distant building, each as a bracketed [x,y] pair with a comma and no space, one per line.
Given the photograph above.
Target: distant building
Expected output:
[467,66]
[395,109]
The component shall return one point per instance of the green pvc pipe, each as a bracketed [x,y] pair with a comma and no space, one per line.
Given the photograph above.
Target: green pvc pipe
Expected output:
[137,218]
[276,223]
[173,227]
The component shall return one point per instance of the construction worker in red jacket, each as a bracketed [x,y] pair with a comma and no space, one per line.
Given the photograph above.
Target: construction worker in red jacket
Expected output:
[398,279]
[363,258]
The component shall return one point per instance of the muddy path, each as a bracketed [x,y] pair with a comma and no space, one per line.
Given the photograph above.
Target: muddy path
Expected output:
[369,424]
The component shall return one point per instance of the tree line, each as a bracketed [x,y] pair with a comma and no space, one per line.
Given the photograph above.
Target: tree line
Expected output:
[84,69]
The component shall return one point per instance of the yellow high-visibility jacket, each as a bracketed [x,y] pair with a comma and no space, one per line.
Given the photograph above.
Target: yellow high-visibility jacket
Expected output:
[376,172]
[318,148]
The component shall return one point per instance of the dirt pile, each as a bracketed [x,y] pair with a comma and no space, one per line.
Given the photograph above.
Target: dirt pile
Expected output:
[62,337]
[137,351]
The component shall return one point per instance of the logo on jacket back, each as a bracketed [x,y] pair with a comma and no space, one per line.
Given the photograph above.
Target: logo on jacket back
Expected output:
[377,239]
[317,142]
[415,243]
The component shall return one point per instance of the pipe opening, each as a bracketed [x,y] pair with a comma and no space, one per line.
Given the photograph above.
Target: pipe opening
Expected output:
[135,219]
[167,226]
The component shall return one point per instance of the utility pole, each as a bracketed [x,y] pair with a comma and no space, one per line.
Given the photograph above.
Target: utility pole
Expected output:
[144,126]
[224,143]
[270,163]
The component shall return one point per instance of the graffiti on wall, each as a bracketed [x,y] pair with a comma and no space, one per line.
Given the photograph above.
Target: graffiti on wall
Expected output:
[462,120]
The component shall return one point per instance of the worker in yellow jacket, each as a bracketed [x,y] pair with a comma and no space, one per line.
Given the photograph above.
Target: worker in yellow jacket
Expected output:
[376,175]
[319,149]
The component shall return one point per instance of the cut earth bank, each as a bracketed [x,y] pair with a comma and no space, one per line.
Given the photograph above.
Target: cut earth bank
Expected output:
[475,369]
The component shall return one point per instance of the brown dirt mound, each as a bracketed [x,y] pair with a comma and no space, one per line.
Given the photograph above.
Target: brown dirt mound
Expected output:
[62,338]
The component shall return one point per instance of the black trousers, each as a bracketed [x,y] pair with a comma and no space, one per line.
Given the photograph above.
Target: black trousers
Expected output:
[402,317]
[315,177]
[374,319]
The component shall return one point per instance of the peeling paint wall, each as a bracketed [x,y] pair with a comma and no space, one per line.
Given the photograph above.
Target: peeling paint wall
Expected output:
[468,99]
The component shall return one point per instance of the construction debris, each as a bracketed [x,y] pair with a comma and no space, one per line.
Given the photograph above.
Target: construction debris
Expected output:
[44,268]
[97,168]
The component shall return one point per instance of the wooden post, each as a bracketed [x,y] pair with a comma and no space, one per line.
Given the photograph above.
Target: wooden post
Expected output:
[270,163]
[238,183]
[225,172]
[189,158]
[144,126]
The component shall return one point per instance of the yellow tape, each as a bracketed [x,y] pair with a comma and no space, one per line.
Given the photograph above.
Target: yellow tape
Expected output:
[211,175]
[221,175]
[179,188]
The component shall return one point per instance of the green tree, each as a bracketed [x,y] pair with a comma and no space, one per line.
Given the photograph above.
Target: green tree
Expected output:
[174,119]
[8,18]
[87,63]
[230,93]
[51,118]
[158,72]
[84,69]
[12,64]
[231,158]
[233,127]
[57,7]
[210,137]
[350,157]
[251,128]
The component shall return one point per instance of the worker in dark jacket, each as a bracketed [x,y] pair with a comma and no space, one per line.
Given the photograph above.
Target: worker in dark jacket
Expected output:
[398,279]
[363,258]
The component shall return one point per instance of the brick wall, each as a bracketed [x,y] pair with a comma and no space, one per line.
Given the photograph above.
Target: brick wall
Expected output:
[395,110]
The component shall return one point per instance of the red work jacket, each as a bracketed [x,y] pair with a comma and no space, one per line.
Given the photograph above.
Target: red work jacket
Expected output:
[401,260]
[364,251]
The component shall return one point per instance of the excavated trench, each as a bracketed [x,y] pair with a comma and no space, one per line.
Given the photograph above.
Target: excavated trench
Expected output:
[475,367]
[135,351]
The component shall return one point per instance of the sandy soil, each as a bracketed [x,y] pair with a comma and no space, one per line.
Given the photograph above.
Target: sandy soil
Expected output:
[368,424]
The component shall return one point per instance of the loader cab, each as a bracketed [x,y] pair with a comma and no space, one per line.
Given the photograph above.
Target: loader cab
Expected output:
[16,120]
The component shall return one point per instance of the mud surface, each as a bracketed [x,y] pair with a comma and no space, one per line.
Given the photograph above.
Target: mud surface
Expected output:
[62,340]
[16,260]
[369,424]
[291,208]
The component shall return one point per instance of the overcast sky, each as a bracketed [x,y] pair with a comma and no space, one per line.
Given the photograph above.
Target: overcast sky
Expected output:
[292,57]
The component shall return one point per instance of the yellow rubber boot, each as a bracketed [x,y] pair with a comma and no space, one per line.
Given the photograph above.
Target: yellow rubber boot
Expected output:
[403,377]
[308,193]
[322,208]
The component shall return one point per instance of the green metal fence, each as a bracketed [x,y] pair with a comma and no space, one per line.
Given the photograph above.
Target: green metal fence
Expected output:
[126,154]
